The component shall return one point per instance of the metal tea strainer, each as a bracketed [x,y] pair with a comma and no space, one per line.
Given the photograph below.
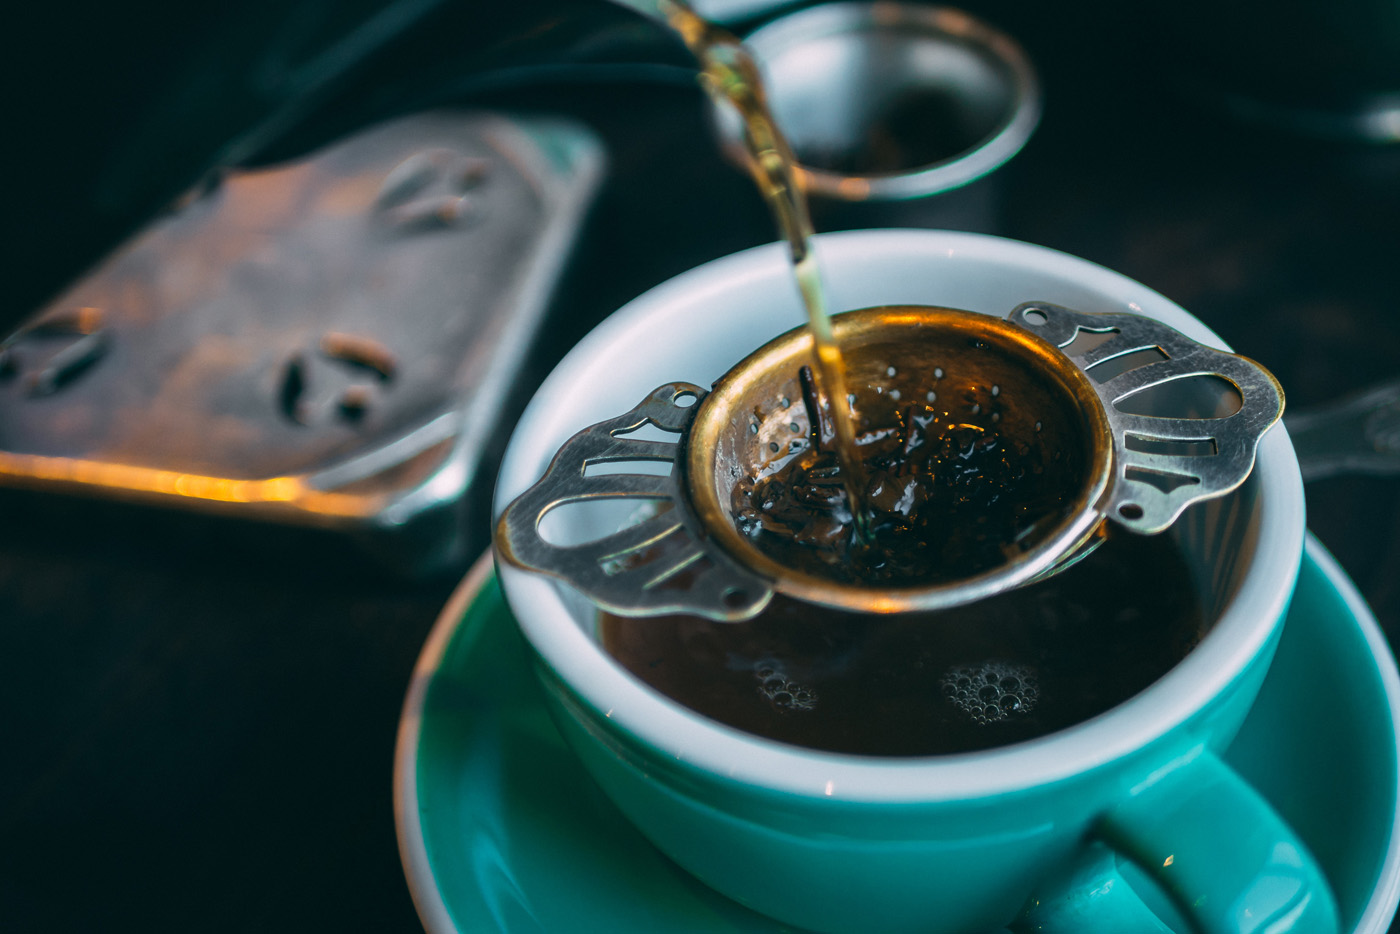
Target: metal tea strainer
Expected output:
[1125,420]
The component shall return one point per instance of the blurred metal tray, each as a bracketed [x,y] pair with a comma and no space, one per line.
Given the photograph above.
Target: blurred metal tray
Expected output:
[328,342]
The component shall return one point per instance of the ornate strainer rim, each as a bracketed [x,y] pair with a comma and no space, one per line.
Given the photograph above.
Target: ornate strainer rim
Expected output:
[1162,463]
[718,410]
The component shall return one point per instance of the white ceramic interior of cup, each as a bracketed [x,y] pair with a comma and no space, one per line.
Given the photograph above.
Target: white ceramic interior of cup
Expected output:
[697,325]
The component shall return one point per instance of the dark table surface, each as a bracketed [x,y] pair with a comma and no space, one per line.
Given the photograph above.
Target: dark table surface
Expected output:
[200,718]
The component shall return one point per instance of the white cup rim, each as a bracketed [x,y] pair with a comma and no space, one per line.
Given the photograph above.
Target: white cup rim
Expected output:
[1238,637]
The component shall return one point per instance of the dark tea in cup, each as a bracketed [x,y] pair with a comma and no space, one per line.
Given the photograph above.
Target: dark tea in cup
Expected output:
[1007,669]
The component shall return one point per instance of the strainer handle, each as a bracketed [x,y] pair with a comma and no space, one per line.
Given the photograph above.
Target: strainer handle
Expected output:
[631,571]
[1163,462]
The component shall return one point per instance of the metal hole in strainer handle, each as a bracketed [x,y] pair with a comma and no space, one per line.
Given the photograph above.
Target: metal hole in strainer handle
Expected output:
[1141,398]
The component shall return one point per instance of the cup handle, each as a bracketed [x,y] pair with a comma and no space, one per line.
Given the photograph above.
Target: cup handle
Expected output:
[1214,845]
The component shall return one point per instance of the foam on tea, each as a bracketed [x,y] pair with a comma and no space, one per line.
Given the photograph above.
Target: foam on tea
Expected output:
[1003,670]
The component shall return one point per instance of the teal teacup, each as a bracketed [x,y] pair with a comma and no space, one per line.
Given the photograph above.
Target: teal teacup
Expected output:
[1018,835]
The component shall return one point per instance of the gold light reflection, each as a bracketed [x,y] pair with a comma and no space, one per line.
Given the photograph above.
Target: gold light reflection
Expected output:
[148,483]
[853,189]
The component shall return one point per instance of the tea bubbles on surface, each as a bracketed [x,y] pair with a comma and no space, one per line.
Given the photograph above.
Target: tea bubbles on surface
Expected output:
[1004,670]
[992,691]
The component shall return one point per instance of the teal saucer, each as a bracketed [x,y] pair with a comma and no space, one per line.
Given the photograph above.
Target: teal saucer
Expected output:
[500,829]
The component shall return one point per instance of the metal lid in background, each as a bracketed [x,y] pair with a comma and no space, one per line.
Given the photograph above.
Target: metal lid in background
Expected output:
[891,101]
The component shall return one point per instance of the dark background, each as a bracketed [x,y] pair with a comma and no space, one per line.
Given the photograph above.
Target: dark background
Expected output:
[199,717]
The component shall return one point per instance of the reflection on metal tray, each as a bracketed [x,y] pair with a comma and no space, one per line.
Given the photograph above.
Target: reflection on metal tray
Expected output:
[327,342]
